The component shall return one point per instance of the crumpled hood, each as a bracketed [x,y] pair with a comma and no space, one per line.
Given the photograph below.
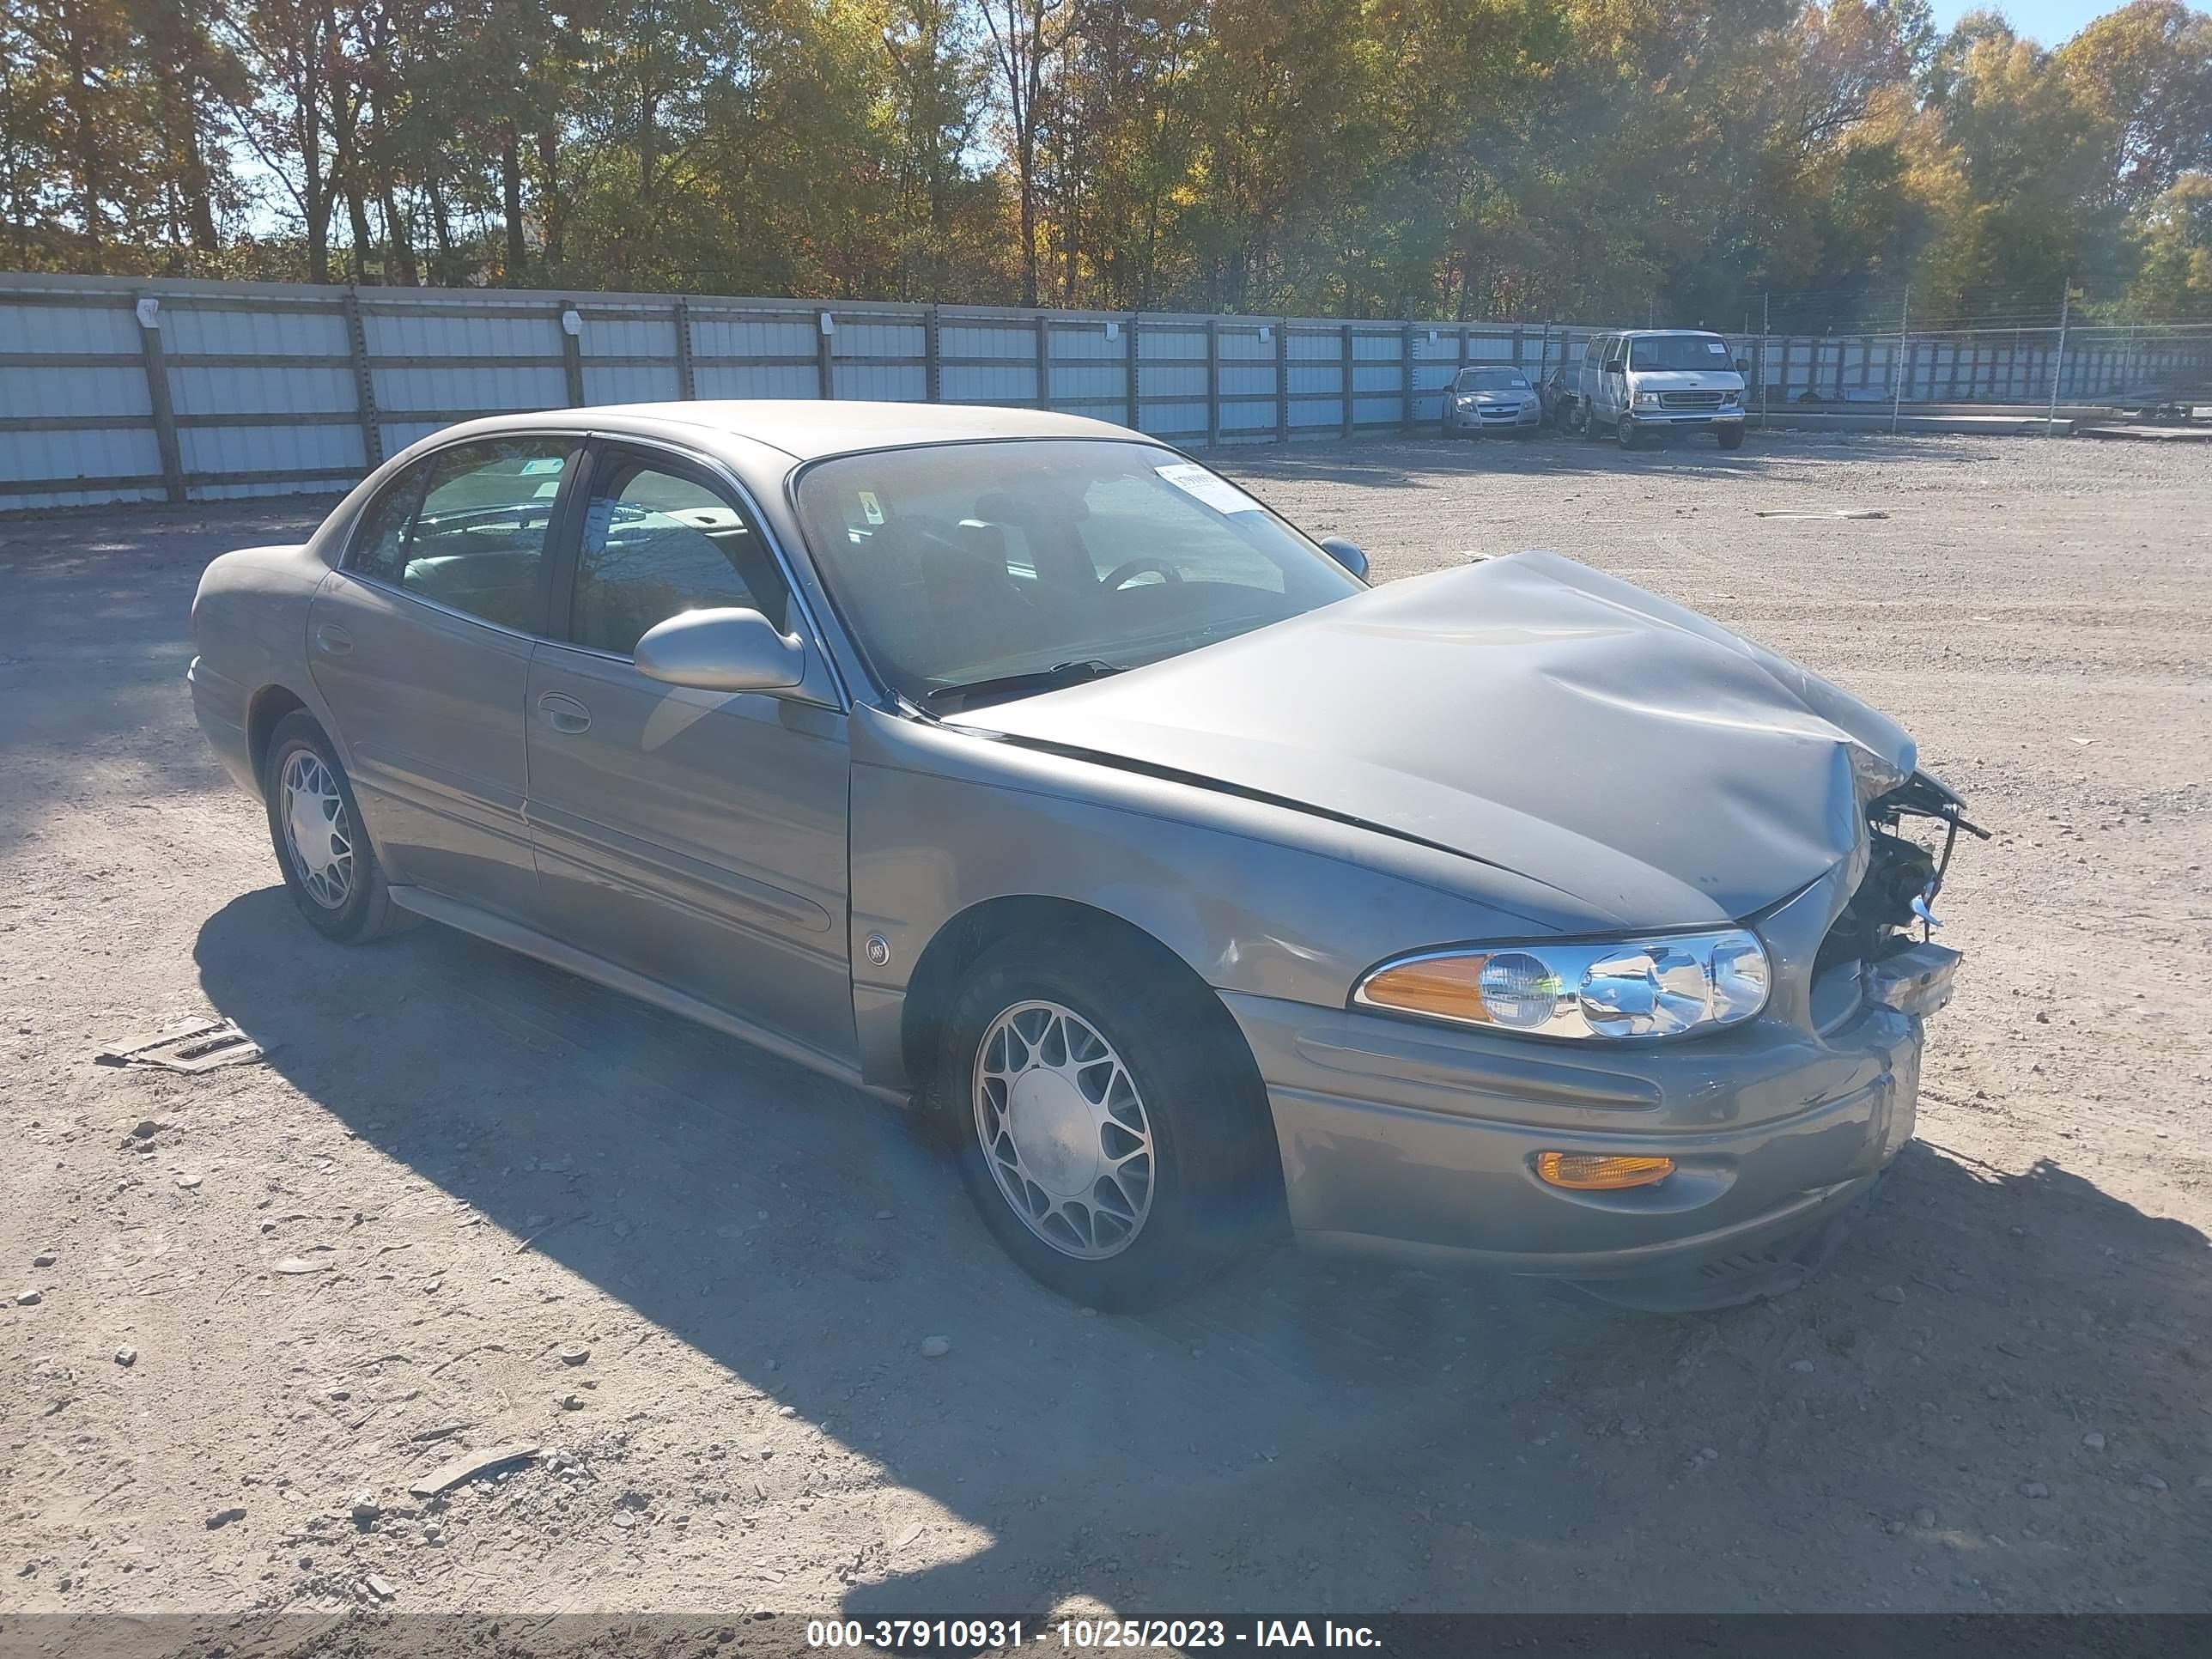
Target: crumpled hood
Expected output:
[1529,712]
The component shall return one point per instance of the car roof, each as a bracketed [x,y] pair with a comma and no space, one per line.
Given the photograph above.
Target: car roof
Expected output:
[805,428]
[1653,333]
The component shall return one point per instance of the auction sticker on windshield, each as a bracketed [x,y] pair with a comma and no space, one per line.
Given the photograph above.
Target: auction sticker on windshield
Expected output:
[1219,493]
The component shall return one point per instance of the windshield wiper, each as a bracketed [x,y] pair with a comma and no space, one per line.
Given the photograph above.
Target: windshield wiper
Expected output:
[1013,685]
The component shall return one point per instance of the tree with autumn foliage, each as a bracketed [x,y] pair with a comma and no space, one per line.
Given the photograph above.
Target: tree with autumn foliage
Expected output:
[1415,158]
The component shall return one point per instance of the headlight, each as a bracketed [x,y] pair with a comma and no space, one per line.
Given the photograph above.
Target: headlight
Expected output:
[1649,987]
[1647,400]
[1466,402]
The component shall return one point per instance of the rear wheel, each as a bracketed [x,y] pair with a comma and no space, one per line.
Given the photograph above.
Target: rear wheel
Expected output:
[329,869]
[1109,1126]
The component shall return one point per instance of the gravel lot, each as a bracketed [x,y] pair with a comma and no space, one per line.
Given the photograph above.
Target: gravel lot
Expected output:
[1996,1397]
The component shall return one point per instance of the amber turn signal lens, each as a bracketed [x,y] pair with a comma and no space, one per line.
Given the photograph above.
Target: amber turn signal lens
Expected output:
[1448,986]
[1595,1172]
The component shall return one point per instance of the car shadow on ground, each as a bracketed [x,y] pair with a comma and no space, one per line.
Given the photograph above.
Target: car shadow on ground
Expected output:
[1309,1433]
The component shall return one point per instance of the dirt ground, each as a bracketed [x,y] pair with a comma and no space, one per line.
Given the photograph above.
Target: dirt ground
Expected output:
[340,1268]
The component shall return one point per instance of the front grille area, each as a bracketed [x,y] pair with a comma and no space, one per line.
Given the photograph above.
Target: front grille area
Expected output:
[1690,399]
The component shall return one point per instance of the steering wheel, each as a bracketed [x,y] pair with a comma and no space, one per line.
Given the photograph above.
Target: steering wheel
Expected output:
[1121,573]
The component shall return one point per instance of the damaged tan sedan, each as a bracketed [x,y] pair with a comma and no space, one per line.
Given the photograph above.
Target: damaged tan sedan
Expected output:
[1193,890]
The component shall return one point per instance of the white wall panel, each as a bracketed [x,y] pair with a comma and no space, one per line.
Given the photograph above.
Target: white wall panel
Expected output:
[465,390]
[629,383]
[330,449]
[1090,383]
[626,336]
[415,334]
[260,389]
[1011,340]
[72,391]
[715,336]
[88,328]
[107,452]
[894,383]
[279,331]
[870,338]
[1012,382]
[770,381]
[1088,340]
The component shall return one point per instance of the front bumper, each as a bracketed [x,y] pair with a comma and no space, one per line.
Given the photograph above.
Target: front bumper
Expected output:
[1481,418]
[1420,1140]
[1687,417]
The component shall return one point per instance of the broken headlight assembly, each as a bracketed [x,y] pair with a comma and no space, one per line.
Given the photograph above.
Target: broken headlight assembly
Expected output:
[1623,988]
[1896,895]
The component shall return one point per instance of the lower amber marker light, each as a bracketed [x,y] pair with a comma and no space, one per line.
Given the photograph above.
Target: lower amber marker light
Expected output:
[1596,1172]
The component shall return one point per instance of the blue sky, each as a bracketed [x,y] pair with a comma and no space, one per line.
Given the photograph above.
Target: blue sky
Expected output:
[2049,21]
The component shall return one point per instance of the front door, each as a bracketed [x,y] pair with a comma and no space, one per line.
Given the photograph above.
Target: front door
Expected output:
[695,837]
[421,642]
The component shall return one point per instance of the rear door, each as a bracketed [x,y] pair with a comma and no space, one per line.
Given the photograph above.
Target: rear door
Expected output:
[695,837]
[421,644]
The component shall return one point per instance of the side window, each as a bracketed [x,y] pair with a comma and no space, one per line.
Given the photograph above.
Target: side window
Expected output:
[479,538]
[379,539]
[657,543]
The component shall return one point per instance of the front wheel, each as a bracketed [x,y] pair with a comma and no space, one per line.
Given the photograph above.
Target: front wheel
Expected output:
[1624,430]
[1731,437]
[1110,1127]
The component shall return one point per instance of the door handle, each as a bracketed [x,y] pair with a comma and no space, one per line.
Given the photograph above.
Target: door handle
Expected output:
[565,714]
[331,640]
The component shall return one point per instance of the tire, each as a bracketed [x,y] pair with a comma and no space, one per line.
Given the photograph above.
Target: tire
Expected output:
[1731,437]
[1589,427]
[347,897]
[1174,1081]
[1625,431]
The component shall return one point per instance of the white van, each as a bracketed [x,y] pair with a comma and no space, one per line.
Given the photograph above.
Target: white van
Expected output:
[1641,380]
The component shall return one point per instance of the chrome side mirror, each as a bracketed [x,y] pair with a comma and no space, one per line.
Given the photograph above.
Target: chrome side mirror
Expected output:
[1345,554]
[731,650]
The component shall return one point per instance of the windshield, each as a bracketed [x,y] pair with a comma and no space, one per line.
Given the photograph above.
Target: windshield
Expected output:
[956,563]
[1679,351]
[1492,380]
